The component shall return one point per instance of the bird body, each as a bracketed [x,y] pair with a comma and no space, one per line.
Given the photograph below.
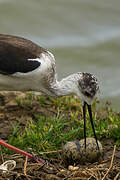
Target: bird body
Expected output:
[35,80]
[25,66]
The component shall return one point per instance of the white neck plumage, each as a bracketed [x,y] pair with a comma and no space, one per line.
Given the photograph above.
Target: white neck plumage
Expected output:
[66,86]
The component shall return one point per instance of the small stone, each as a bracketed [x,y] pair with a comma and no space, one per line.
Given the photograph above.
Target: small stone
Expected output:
[73,168]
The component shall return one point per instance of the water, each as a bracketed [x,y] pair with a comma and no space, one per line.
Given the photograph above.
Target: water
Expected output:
[84,35]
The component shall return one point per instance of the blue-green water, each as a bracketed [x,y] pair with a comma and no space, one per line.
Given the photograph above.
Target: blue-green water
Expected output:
[84,35]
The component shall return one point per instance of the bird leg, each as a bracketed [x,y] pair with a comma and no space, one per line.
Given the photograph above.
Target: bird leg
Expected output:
[91,120]
[35,158]
[84,116]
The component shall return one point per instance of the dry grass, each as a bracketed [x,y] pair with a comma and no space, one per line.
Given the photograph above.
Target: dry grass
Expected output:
[107,169]
[12,111]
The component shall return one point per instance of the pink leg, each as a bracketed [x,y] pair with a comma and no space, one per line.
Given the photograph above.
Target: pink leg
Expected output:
[17,150]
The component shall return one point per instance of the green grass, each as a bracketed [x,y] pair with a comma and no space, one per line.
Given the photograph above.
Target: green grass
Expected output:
[47,133]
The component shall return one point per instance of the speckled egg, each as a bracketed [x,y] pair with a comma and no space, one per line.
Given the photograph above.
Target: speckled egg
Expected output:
[71,152]
[91,154]
[74,152]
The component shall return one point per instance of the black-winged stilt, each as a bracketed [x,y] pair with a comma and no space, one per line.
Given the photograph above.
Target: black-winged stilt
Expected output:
[25,66]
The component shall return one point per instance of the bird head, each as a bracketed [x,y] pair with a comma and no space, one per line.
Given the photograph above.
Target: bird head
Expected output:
[87,87]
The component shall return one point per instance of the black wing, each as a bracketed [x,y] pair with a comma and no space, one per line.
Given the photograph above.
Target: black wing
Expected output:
[15,52]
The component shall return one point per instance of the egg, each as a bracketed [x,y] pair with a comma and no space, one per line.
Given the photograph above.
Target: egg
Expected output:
[91,153]
[71,152]
[74,152]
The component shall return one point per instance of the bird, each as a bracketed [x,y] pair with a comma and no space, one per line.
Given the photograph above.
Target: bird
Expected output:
[25,66]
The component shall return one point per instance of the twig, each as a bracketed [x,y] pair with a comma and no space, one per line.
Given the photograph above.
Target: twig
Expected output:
[91,173]
[116,177]
[37,166]
[1,155]
[25,165]
[50,152]
[111,164]
[99,174]
[18,174]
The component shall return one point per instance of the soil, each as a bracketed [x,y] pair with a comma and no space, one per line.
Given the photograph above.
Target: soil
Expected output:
[10,112]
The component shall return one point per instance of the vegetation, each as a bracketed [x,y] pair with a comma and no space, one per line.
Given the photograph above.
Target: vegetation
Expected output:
[62,122]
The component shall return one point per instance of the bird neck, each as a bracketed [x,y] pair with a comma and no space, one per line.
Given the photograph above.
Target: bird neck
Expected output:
[66,86]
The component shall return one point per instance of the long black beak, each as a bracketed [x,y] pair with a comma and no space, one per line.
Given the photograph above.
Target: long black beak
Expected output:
[91,120]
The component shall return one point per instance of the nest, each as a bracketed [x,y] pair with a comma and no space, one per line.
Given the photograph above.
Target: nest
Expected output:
[107,169]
